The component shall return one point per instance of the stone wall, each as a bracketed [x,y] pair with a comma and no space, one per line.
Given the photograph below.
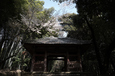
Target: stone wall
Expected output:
[19,73]
[8,73]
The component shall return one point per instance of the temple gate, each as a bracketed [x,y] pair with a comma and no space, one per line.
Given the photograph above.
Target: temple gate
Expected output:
[56,54]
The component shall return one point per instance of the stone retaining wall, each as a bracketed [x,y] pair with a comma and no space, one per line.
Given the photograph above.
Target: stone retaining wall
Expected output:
[19,73]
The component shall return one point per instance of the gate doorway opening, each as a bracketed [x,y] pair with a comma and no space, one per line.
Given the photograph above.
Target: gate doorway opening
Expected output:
[56,64]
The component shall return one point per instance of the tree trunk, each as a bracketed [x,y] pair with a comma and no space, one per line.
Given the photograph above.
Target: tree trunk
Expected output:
[107,56]
[103,66]
[113,64]
[1,43]
[95,46]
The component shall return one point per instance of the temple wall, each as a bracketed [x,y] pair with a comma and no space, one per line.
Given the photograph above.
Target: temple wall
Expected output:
[71,61]
[39,66]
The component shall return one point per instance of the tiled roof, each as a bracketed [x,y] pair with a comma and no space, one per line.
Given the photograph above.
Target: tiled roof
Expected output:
[55,40]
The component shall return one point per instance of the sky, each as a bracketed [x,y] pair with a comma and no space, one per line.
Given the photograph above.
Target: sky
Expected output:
[60,8]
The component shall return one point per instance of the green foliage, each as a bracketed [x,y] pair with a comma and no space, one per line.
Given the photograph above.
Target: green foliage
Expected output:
[53,33]
[21,20]
[45,14]
[11,9]
[75,25]
[21,61]
[69,28]
[100,19]
[36,17]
